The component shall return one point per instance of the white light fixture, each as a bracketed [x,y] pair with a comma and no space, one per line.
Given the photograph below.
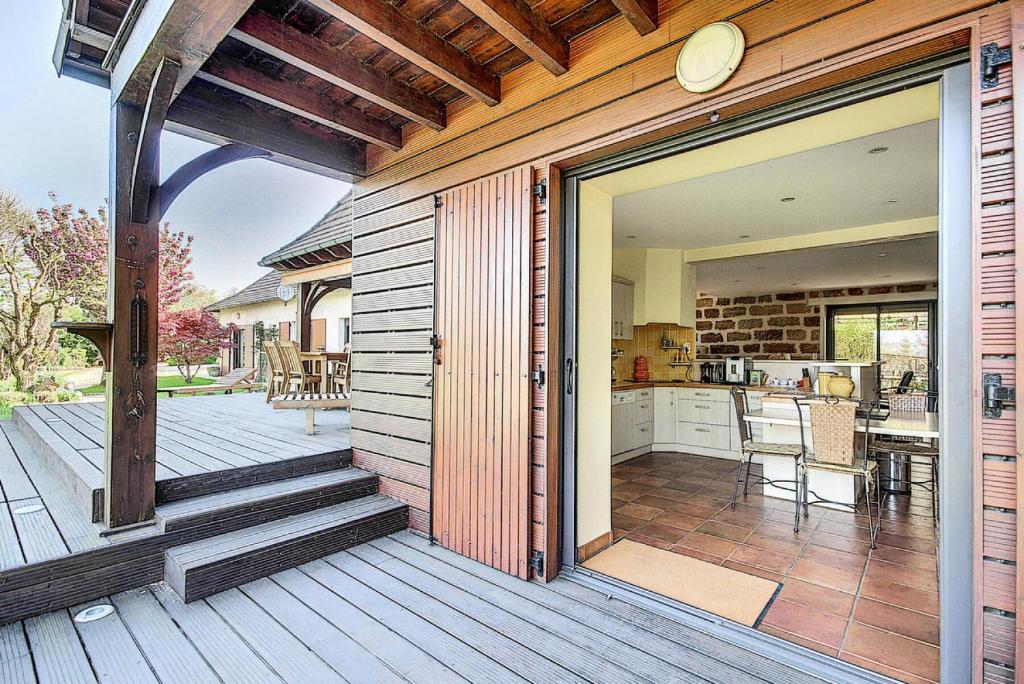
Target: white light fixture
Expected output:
[878,150]
[788,199]
[285,292]
[883,254]
[710,57]
[94,613]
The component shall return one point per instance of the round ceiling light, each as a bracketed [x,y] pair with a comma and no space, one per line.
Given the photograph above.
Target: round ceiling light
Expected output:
[878,150]
[710,57]
[788,199]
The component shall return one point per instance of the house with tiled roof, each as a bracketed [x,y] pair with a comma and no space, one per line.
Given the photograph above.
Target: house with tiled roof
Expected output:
[304,296]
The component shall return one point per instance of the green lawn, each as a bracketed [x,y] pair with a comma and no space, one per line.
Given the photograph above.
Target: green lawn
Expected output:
[162,382]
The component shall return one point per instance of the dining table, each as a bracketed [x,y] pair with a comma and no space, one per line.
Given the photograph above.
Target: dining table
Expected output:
[919,425]
[321,362]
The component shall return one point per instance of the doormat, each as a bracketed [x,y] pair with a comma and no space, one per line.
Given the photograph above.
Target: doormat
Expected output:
[727,593]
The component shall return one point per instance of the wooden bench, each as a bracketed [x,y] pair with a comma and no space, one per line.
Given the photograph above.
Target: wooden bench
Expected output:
[238,380]
[310,402]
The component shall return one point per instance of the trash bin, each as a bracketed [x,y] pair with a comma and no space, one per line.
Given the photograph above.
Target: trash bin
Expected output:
[894,471]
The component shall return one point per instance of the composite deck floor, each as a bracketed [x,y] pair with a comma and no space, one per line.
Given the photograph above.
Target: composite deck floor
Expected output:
[396,609]
[195,435]
[204,434]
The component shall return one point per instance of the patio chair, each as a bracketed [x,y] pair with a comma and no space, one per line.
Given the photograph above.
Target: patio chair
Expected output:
[833,434]
[297,375]
[276,374]
[749,448]
[341,376]
[908,450]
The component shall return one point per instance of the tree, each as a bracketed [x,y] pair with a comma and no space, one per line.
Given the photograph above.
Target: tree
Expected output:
[58,259]
[189,337]
[47,262]
[195,296]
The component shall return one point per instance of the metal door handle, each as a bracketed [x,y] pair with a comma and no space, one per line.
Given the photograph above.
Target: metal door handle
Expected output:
[568,376]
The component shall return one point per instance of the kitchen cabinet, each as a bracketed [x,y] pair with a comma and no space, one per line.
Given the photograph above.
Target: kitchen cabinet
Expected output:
[632,420]
[665,285]
[665,415]
[622,309]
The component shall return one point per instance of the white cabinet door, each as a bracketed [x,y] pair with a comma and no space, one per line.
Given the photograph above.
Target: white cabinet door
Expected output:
[622,310]
[664,415]
[622,427]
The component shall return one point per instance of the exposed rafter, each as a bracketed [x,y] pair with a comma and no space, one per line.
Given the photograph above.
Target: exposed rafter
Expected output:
[642,14]
[526,29]
[300,100]
[186,31]
[201,112]
[384,23]
[312,55]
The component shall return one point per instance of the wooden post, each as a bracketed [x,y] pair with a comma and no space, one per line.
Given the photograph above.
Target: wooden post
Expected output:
[305,317]
[130,454]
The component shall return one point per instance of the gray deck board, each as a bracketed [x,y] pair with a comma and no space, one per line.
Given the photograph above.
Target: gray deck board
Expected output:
[334,647]
[15,483]
[397,609]
[169,652]
[15,656]
[115,656]
[10,546]
[57,653]
[282,650]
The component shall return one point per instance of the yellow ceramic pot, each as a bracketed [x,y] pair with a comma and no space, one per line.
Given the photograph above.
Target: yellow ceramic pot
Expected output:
[841,385]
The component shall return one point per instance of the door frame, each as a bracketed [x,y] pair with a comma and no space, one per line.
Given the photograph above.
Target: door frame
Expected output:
[956,268]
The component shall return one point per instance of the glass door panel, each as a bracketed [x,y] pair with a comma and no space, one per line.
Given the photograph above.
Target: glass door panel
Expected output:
[905,344]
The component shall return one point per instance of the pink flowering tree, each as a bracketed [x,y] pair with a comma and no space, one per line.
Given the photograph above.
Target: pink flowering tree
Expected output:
[189,337]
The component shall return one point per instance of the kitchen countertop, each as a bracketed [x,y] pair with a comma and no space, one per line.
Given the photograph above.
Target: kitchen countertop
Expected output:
[621,385]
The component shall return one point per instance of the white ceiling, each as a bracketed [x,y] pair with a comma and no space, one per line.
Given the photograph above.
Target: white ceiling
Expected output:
[910,260]
[835,186]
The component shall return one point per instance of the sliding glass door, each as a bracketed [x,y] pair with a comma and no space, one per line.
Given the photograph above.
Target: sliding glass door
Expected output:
[901,335]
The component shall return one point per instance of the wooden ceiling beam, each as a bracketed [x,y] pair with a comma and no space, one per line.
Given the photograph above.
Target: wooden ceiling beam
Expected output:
[526,29]
[384,23]
[186,31]
[300,100]
[314,56]
[642,14]
[202,113]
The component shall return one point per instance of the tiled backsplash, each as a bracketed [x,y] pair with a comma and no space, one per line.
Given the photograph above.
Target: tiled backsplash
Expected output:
[647,342]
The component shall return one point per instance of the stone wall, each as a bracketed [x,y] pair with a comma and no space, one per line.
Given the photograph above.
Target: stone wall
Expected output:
[769,325]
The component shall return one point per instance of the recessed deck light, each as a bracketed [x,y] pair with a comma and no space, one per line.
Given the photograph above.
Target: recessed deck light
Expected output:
[94,613]
[788,199]
[878,150]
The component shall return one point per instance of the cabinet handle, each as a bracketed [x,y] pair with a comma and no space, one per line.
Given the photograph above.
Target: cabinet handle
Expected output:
[701,430]
[701,406]
[702,394]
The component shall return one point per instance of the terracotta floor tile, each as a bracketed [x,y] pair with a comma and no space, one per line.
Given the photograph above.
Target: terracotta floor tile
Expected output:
[673,494]
[912,559]
[725,530]
[899,620]
[901,574]
[825,575]
[806,622]
[698,554]
[637,511]
[753,570]
[708,544]
[793,638]
[650,480]
[882,669]
[835,559]
[824,599]
[625,522]
[777,544]
[666,533]
[783,531]
[745,519]
[844,529]
[832,541]
[655,502]
[908,543]
[695,509]
[901,595]
[632,490]
[785,516]
[683,485]
[769,560]
[678,520]
[893,650]
[650,541]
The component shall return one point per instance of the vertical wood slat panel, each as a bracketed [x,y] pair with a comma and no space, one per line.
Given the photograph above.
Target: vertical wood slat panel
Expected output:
[482,312]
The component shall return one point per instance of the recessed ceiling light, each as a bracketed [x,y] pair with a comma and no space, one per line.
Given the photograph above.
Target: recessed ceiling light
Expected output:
[878,150]
[743,237]
[793,284]
[892,201]
[737,281]
[883,254]
[759,268]
[887,276]
[631,237]
[788,199]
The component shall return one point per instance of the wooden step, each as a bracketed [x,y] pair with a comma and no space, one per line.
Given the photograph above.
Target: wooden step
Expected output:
[208,566]
[265,502]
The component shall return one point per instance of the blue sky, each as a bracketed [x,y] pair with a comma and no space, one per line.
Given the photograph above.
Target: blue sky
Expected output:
[53,136]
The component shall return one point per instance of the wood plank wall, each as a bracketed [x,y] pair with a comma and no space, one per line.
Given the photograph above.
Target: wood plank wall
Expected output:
[620,89]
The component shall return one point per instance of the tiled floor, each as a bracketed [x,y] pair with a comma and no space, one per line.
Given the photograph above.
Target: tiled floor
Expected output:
[875,608]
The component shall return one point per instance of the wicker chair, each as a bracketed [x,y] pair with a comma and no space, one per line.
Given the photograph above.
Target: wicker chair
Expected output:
[833,434]
[297,375]
[276,374]
[750,448]
[908,449]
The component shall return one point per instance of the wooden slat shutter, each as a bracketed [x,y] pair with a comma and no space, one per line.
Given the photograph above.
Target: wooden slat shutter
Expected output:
[481,475]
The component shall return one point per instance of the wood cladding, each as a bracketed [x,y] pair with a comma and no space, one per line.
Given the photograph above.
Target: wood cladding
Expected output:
[482,475]
[619,93]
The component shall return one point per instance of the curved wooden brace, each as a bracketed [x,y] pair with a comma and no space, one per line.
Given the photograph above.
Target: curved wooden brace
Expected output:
[201,165]
[97,333]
